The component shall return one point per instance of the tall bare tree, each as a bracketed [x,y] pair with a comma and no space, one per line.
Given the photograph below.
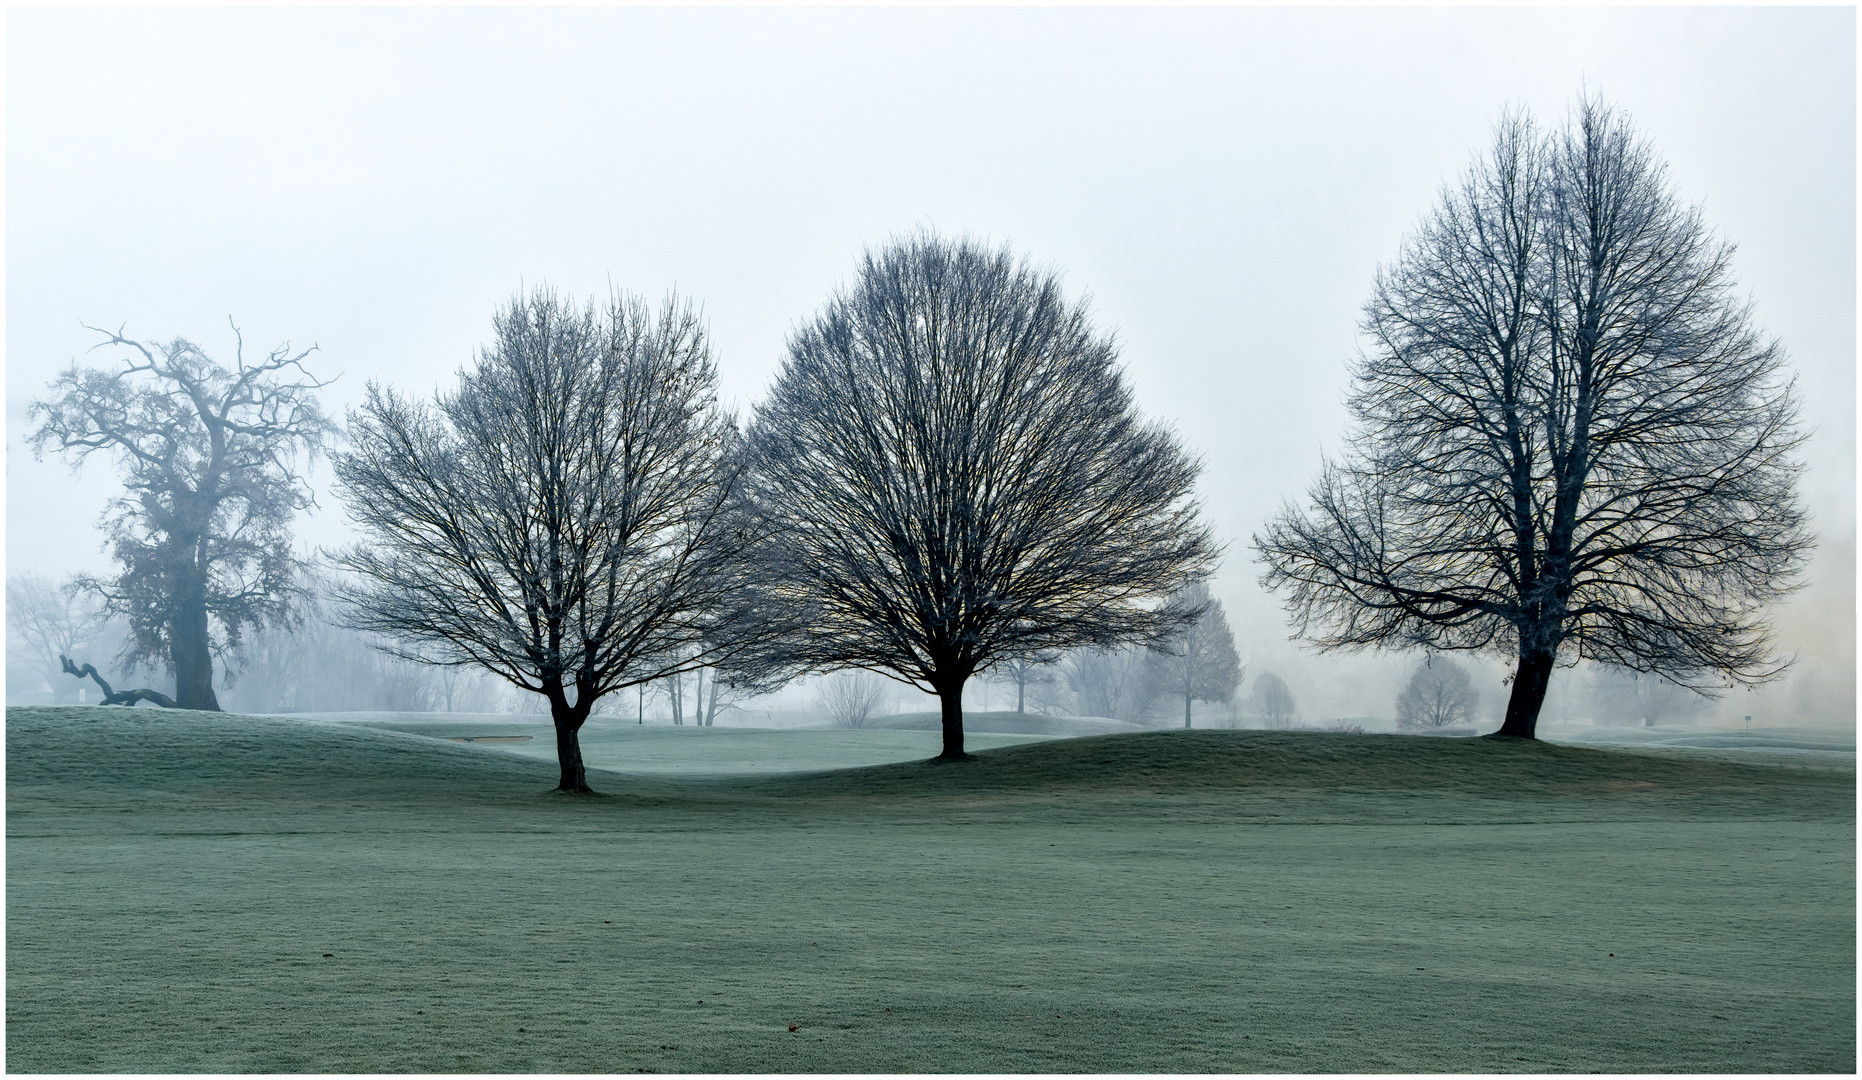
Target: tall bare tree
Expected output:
[1569,440]
[210,459]
[563,519]
[957,475]
[1198,662]
[1439,695]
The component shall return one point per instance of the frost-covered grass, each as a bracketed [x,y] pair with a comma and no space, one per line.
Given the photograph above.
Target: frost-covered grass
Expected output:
[190,892]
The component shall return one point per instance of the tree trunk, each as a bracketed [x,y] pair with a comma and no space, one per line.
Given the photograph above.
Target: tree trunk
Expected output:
[569,719]
[1186,711]
[1530,681]
[950,701]
[192,656]
[1021,688]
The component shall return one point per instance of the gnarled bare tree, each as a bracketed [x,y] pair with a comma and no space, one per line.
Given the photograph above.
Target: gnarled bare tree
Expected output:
[565,519]
[956,475]
[210,459]
[1569,440]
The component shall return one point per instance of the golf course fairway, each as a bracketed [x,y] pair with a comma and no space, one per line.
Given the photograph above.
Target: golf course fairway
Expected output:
[204,892]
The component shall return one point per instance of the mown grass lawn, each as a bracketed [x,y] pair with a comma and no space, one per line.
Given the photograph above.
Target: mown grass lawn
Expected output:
[190,892]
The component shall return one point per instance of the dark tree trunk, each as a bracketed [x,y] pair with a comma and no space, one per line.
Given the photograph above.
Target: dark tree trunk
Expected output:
[569,719]
[192,656]
[950,702]
[1530,680]
[1186,711]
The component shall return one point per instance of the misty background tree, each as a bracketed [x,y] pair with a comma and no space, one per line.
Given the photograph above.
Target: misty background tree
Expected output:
[1619,697]
[1115,683]
[1568,439]
[956,475]
[47,621]
[851,699]
[564,518]
[1021,672]
[210,460]
[1439,695]
[1271,700]
[317,664]
[1198,662]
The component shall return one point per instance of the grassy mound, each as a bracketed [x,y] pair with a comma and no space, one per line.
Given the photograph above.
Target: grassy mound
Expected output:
[156,758]
[77,756]
[1189,761]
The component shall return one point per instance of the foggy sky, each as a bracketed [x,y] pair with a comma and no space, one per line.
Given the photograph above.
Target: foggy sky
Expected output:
[1224,183]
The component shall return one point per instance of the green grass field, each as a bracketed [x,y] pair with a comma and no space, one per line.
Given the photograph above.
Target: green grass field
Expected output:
[192,892]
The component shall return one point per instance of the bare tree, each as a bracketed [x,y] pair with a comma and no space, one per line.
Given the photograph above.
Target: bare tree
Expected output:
[1199,661]
[850,699]
[957,476]
[1114,683]
[1438,695]
[1569,440]
[564,519]
[210,459]
[46,622]
[1271,700]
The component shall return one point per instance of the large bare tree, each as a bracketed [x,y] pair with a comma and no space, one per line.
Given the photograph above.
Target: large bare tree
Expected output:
[957,475]
[210,460]
[1198,662]
[1569,440]
[564,518]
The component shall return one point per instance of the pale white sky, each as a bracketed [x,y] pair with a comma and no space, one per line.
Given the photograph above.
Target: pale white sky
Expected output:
[1223,182]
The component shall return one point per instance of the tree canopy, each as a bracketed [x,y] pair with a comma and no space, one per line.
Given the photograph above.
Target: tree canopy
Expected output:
[564,518]
[955,474]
